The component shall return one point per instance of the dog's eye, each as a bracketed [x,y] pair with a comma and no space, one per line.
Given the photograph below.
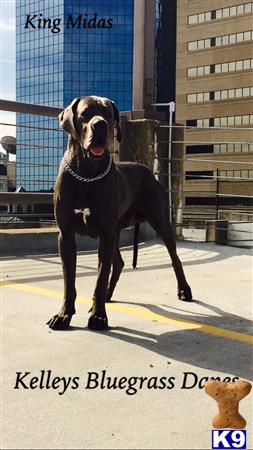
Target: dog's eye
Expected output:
[84,115]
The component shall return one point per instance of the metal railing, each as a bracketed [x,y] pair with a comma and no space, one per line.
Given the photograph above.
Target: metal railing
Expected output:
[21,198]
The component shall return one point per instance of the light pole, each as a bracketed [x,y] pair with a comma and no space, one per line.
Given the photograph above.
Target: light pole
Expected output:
[171,106]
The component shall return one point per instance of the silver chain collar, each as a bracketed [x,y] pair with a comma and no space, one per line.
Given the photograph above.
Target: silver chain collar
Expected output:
[88,180]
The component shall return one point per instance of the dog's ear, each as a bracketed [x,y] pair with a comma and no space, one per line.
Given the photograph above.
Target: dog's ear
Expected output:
[67,118]
[116,121]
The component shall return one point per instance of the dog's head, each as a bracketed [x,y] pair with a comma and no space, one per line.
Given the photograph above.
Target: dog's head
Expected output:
[90,121]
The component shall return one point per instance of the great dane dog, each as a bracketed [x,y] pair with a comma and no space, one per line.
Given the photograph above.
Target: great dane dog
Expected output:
[95,196]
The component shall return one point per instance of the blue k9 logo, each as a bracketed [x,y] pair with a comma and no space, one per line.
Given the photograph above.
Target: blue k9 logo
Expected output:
[228,439]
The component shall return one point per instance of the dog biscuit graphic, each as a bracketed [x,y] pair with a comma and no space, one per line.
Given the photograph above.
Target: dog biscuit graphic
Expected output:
[228,396]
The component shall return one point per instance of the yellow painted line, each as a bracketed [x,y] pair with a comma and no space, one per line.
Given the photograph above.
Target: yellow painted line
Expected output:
[137,312]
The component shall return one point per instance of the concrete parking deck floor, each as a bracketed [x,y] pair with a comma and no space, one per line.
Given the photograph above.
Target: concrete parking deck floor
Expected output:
[151,335]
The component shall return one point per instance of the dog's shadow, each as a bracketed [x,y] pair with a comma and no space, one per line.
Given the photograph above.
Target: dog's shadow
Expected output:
[196,347]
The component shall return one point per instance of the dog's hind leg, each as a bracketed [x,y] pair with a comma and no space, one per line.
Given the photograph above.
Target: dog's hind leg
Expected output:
[117,267]
[164,230]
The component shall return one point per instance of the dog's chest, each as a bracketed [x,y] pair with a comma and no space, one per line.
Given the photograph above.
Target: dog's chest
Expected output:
[92,221]
[86,222]
[97,209]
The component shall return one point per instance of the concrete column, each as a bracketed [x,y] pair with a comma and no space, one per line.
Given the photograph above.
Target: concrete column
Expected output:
[149,54]
[143,59]
[138,62]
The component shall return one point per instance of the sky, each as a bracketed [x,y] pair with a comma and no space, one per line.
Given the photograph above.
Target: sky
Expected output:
[7,62]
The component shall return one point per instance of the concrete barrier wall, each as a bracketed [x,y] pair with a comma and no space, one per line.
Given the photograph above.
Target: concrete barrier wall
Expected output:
[240,234]
[44,240]
[233,233]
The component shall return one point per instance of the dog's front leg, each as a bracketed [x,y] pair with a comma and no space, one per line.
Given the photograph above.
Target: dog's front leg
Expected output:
[98,319]
[67,249]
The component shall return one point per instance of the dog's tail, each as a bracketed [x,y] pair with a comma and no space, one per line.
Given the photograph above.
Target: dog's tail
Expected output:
[136,240]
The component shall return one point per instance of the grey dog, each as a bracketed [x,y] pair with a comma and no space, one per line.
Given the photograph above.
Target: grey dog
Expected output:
[95,196]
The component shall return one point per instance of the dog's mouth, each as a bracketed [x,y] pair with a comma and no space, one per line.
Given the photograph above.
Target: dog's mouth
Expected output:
[97,150]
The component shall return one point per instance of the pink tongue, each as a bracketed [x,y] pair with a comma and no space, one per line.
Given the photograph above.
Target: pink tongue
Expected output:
[97,151]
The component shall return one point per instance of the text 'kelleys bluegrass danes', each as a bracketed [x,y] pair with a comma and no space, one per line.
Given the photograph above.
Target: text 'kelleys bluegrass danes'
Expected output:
[89,21]
[96,197]
[105,380]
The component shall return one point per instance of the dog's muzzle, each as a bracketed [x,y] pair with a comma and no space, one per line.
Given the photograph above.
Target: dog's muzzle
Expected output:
[99,131]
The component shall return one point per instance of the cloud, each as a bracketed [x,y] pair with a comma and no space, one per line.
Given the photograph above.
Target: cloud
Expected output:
[7,61]
[7,117]
[8,25]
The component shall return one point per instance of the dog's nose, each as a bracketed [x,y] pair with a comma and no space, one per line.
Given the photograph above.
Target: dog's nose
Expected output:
[100,126]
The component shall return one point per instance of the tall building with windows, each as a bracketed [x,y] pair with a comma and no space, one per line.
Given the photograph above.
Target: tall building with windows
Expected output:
[214,90]
[65,49]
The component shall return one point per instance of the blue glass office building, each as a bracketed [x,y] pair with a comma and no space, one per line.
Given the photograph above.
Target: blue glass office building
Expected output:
[67,48]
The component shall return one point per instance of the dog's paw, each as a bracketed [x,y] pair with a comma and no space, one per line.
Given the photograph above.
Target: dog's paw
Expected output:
[185,294]
[97,322]
[59,322]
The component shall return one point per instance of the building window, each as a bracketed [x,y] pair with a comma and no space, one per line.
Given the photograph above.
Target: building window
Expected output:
[193,19]
[232,11]
[240,9]
[201,17]
[220,95]
[219,14]
[244,120]
[218,41]
[232,39]
[238,65]
[238,92]
[191,122]
[231,66]
[193,46]
[236,174]
[200,71]
[224,13]
[246,64]
[238,120]
[191,98]
[248,7]
[207,70]
[248,35]
[224,95]
[208,16]
[225,67]
[192,72]
[198,175]
[193,149]
[232,148]
[201,44]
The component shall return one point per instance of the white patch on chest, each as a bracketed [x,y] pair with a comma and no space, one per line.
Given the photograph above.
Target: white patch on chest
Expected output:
[86,214]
